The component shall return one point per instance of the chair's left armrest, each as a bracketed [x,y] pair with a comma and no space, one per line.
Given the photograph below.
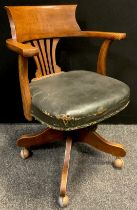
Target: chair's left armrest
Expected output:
[25,50]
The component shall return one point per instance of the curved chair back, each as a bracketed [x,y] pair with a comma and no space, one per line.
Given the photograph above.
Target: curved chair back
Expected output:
[37,22]
[40,26]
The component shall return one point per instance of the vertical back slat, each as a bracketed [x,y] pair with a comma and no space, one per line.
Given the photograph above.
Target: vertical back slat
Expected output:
[38,70]
[48,45]
[46,59]
[40,57]
[43,50]
[55,66]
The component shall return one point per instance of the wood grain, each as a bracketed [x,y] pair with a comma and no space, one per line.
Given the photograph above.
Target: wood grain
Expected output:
[98,142]
[44,53]
[24,86]
[57,69]
[36,22]
[48,46]
[101,63]
[26,50]
[64,175]
[40,58]
[45,136]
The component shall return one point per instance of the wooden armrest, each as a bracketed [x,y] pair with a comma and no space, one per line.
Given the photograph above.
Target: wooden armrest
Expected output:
[97,34]
[25,50]
[108,39]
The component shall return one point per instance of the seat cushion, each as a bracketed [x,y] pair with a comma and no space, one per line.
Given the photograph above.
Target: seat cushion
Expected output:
[77,99]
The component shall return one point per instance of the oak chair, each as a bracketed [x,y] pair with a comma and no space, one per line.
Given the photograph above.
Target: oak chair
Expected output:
[70,104]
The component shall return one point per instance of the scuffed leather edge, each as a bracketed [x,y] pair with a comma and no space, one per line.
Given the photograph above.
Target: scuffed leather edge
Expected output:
[85,125]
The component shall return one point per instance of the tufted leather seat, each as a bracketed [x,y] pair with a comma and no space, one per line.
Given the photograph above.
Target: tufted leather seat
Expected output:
[77,99]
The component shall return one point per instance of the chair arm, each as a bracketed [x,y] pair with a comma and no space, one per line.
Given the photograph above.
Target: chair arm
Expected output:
[101,63]
[24,86]
[97,34]
[25,50]
[102,57]
[108,39]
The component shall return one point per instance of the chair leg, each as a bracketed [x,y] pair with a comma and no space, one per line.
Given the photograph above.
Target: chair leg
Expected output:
[63,198]
[48,135]
[94,139]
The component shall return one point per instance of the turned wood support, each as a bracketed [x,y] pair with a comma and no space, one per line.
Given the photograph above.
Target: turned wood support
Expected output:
[64,176]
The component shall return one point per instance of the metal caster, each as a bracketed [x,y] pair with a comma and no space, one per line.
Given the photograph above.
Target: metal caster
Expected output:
[63,201]
[24,153]
[118,163]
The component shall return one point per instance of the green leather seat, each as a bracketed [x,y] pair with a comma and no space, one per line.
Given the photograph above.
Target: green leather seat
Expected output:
[77,99]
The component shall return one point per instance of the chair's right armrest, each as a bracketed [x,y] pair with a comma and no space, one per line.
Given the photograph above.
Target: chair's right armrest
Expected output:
[96,34]
[26,50]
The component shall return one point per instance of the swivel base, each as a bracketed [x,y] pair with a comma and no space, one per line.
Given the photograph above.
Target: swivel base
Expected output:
[87,135]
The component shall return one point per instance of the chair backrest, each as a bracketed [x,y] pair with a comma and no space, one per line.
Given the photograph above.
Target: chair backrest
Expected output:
[36,22]
[40,25]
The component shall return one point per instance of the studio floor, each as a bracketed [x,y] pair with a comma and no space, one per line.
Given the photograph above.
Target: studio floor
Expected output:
[93,184]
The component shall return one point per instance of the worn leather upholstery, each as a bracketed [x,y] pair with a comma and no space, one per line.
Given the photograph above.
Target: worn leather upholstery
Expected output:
[77,99]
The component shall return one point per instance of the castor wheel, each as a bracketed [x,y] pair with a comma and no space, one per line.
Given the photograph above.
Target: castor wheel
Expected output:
[24,153]
[118,163]
[63,201]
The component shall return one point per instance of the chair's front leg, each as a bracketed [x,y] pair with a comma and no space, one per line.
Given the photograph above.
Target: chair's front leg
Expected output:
[45,136]
[92,138]
[63,198]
